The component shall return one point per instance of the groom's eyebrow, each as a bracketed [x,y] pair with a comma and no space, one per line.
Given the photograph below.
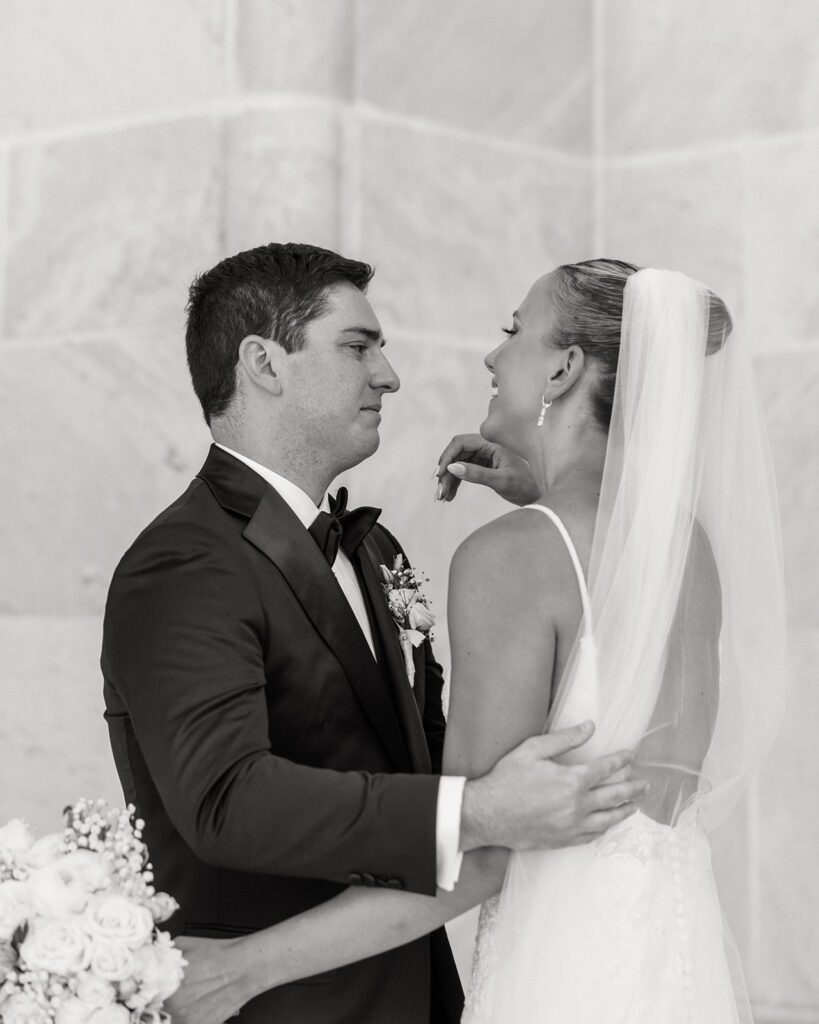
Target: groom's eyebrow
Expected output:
[368,333]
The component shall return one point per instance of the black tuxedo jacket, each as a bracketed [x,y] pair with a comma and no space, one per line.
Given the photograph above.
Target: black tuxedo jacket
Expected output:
[274,760]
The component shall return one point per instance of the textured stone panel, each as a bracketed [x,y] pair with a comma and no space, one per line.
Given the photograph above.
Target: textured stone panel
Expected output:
[445,391]
[87,60]
[53,741]
[789,387]
[783,242]
[99,438]
[107,231]
[459,231]
[4,219]
[518,71]
[789,837]
[282,180]
[686,71]
[681,215]
[295,46]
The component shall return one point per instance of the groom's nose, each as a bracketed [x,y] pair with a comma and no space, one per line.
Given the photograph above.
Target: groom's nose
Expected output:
[384,377]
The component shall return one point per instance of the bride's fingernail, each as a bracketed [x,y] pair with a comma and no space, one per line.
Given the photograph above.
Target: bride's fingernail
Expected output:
[457,469]
[439,490]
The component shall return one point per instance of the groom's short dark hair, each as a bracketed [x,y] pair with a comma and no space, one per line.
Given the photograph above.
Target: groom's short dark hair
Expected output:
[273,291]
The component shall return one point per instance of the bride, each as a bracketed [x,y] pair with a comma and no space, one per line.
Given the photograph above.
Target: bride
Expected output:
[642,590]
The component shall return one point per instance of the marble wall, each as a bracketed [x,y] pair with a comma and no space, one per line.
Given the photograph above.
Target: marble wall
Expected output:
[463,153]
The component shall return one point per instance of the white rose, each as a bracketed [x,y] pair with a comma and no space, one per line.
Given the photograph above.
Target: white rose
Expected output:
[55,892]
[21,1009]
[116,1013]
[94,990]
[127,989]
[159,970]
[163,906]
[16,837]
[111,960]
[86,867]
[420,617]
[46,850]
[112,916]
[73,1011]
[58,946]
[14,907]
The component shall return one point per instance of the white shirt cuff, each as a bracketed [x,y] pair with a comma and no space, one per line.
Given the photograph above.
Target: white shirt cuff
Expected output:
[448,831]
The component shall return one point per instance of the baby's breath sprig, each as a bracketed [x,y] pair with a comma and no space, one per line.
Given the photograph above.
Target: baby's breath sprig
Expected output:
[116,834]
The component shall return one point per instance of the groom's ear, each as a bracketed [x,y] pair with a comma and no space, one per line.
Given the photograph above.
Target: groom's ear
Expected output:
[259,358]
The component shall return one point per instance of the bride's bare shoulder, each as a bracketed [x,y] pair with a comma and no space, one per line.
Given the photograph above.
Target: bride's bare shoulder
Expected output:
[520,547]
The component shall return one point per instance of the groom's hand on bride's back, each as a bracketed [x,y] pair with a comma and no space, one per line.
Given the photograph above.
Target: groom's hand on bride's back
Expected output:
[529,801]
[471,458]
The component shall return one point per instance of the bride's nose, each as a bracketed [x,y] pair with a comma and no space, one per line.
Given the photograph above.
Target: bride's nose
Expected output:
[489,360]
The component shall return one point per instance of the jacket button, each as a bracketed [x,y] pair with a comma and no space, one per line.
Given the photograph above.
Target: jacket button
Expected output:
[368,879]
[354,879]
[394,883]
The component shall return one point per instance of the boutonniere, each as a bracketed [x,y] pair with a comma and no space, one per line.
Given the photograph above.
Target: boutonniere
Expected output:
[409,609]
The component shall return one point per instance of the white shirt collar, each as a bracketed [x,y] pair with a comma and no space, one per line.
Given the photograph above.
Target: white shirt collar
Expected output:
[299,501]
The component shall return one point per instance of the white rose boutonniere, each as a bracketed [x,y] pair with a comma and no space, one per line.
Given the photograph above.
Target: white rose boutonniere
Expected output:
[409,609]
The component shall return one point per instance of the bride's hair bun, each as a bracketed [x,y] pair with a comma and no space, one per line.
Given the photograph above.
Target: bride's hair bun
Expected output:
[590,314]
[720,324]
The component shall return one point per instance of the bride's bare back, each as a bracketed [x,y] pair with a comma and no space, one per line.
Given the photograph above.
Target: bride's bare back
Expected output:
[514,611]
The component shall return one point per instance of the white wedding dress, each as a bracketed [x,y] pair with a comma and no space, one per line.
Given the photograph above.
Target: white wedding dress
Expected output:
[626,929]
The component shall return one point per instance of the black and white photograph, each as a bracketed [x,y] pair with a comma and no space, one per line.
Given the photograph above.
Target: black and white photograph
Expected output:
[409,417]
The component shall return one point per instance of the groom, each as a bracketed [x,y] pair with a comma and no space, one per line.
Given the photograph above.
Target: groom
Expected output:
[259,707]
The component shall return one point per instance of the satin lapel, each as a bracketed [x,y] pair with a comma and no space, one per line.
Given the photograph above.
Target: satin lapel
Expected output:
[279,535]
[369,562]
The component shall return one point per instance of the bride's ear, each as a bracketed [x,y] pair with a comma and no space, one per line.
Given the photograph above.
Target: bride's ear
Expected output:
[259,358]
[568,371]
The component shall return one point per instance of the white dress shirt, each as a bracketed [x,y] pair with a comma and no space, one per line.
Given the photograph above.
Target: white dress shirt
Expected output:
[451,787]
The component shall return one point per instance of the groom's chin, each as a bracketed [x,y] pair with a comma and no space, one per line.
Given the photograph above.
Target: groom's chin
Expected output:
[366,447]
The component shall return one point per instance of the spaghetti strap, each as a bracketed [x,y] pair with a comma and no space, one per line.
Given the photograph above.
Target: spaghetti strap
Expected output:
[578,568]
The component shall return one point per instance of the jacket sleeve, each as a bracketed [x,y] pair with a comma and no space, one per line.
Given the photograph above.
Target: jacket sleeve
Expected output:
[182,649]
[434,720]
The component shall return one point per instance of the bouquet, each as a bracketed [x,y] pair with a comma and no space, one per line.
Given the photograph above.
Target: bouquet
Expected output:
[79,942]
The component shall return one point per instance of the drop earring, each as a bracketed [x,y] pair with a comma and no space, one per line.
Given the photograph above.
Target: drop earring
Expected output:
[544,405]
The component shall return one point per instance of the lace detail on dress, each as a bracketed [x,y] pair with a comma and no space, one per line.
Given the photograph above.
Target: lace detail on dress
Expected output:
[635,910]
[483,962]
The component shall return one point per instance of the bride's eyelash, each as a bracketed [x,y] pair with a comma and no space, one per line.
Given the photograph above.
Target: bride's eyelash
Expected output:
[509,331]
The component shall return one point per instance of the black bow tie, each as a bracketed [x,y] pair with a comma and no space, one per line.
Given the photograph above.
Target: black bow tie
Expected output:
[340,527]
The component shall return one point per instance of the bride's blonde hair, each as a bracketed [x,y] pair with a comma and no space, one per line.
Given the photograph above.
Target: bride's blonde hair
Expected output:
[590,314]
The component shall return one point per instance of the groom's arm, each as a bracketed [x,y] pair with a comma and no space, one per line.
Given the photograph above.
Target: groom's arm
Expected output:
[183,650]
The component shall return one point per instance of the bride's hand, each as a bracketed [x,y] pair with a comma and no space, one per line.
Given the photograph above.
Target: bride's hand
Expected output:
[214,988]
[472,458]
